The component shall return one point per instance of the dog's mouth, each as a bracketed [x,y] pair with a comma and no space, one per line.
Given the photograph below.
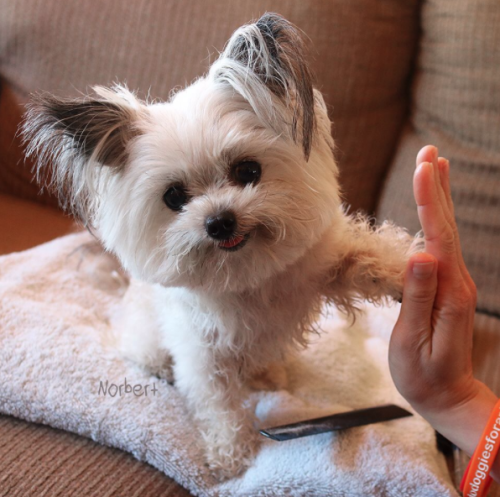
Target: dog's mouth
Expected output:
[234,243]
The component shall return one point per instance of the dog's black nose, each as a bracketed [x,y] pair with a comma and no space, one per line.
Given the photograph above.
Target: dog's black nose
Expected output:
[222,226]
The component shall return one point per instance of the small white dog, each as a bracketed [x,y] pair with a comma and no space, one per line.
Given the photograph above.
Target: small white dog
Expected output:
[224,206]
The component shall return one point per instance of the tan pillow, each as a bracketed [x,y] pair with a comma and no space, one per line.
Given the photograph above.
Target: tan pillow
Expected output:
[456,106]
[361,52]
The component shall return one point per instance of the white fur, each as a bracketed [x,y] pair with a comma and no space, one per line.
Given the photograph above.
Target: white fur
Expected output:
[223,317]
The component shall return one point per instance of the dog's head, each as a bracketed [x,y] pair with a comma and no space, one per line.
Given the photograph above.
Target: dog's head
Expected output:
[221,187]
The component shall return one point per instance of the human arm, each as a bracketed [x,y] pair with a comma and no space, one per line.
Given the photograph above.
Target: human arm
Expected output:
[430,352]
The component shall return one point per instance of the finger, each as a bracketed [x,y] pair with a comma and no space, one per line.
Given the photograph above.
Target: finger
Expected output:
[444,176]
[429,154]
[439,235]
[448,207]
[413,330]
[426,154]
[444,179]
[441,239]
[455,281]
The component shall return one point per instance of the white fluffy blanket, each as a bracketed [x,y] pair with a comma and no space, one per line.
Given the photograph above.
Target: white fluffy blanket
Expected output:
[57,368]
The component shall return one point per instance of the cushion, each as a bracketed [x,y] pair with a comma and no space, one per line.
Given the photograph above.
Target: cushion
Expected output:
[361,52]
[58,366]
[456,106]
[24,224]
[38,460]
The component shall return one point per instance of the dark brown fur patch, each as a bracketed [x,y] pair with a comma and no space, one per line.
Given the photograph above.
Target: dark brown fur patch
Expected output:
[87,123]
[285,72]
[73,138]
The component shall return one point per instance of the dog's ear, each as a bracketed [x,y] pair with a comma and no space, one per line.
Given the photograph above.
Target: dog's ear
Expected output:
[273,50]
[73,139]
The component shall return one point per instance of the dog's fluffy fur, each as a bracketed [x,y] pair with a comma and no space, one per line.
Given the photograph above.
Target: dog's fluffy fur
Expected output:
[219,318]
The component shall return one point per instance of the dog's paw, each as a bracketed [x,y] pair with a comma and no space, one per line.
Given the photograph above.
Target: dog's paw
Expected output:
[163,368]
[397,290]
[228,460]
[388,287]
[230,447]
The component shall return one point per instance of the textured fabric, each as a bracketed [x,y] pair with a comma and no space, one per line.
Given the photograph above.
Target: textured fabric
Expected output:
[24,224]
[16,177]
[40,461]
[487,351]
[456,106]
[485,361]
[56,358]
[60,454]
[361,52]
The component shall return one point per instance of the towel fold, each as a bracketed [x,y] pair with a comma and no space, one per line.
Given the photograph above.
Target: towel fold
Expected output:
[57,367]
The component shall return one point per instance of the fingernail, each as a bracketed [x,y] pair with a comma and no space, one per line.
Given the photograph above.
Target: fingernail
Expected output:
[423,270]
[443,163]
[424,164]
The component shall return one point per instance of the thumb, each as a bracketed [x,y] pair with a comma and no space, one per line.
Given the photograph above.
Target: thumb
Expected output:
[419,293]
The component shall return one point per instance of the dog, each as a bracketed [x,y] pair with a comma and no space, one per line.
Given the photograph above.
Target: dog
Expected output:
[223,204]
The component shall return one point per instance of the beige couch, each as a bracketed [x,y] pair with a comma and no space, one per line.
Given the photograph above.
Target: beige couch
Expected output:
[396,75]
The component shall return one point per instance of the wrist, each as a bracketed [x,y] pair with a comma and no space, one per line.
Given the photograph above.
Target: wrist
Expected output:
[483,466]
[463,423]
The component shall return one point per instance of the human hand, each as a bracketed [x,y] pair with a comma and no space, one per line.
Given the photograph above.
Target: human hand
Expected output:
[430,353]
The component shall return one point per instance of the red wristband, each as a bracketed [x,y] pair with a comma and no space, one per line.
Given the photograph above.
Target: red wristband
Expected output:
[477,480]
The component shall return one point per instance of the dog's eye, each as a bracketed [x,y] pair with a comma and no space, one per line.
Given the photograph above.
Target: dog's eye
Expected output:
[246,172]
[175,197]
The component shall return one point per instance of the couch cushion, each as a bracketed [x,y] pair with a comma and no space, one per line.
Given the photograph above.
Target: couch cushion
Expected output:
[25,224]
[38,460]
[456,106]
[361,52]
[487,350]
